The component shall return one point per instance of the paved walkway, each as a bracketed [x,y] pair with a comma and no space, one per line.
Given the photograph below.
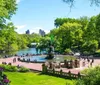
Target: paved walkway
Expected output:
[38,66]
[35,66]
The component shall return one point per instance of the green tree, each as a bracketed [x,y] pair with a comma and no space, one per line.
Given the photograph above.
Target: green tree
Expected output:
[70,34]
[98,28]
[8,37]
[90,32]
[90,46]
[60,21]
[84,22]
[7,9]
[7,33]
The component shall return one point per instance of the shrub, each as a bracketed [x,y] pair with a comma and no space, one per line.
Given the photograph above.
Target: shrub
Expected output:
[80,82]
[92,76]
[9,68]
[73,82]
[23,69]
[68,51]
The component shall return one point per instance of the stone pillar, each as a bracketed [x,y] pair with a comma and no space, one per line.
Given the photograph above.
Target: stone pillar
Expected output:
[76,64]
[71,64]
[44,68]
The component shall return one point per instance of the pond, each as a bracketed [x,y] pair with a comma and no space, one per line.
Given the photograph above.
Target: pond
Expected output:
[40,58]
[27,50]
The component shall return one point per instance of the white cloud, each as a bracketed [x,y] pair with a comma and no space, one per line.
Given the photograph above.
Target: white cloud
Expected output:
[23,28]
[20,26]
[20,29]
[17,1]
[36,30]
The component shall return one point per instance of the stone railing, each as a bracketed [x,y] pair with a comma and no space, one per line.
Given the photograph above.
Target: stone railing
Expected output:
[53,72]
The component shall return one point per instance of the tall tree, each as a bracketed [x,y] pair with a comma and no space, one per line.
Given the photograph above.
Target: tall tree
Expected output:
[60,21]
[98,28]
[70,34]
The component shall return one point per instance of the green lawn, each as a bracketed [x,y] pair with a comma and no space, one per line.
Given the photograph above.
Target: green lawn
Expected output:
[35,79]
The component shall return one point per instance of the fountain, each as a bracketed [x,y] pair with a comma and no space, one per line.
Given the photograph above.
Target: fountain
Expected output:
[50,54]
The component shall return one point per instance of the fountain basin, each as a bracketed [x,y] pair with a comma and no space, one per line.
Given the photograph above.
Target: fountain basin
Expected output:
[38,59]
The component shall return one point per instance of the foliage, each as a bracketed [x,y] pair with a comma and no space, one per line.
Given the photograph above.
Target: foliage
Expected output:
[79,35]
[60,21]
[92,76]
[7,9]
[69,35]
[80,82]
[68,51]
[71,83]
[10,68]
[7,33]
[3,78]
[12,41]
[23,69]
[90,46]
[43,44]
[9,39]
[98,51]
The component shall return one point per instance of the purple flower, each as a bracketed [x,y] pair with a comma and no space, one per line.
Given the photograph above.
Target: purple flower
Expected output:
[6,81]
[1,69]
[1,84]
[4,76]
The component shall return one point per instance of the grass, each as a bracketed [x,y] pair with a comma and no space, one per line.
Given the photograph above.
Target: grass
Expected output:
[36,79]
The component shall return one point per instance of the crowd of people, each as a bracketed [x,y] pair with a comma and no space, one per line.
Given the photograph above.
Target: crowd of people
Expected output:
[87,62]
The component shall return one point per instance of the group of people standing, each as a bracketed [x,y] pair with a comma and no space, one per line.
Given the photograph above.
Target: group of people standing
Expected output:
[88,61]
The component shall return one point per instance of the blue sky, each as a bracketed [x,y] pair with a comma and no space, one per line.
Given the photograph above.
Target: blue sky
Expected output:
[40,14]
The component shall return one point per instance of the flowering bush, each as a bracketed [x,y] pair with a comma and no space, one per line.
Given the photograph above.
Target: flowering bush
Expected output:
[3,78]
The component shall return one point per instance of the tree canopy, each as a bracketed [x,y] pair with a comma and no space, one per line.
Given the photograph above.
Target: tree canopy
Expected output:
[81,34]
[7,9]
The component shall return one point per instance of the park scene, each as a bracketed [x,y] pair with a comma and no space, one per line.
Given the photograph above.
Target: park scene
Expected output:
[45,42]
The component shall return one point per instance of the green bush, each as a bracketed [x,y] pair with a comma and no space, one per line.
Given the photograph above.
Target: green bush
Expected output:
[9,68]
[92,76]
[68,51]
[73,82]
[12,68]
[80,82]
[23,69]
